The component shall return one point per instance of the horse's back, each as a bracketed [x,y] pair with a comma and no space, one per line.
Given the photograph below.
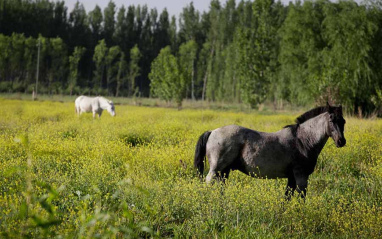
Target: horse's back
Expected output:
[235,134]
[228,141]
[85,103]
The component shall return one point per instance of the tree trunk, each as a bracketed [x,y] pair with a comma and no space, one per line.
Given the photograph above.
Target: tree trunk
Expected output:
[192,82]
[117,89]
[206,75]
[204,85]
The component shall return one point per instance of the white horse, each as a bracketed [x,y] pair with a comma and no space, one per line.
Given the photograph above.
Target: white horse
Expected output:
[95,105]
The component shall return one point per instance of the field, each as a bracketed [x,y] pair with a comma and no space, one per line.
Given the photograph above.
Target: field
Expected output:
[132,176]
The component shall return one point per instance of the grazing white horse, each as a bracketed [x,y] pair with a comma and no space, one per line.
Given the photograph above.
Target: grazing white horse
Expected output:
[94,104]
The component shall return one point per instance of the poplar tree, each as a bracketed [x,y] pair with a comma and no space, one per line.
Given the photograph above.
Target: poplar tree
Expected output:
[99,58]
[74,60]
[187,58]
[165,77]
[109,22]
[349,32]
[134,70]
[95,19]
[121,75]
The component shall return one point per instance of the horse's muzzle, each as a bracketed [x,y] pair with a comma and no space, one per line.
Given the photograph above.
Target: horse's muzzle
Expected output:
[341,143]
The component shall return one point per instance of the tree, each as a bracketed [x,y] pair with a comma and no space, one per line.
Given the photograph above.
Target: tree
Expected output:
[301,45]
[16,58]
[189,23]
[257,47]
[99,58]
[162,32]
[134,69]
[122,68]
[164,76]
[74,60]
[202,66]
[109,22]
[30,59]
[79,28]
[349,32]
[187,58]
[4,56]
[121,30]
[231,79]
[211,79]
[131,36]
[112,57]
[58,64]
[59,25]
[95,22]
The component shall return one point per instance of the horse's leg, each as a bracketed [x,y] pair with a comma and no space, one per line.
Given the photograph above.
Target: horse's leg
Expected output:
[212,173]
[219,175]
[210,176]
[301,182]
[291,186]
[220,160]
[224,174]
[94,114]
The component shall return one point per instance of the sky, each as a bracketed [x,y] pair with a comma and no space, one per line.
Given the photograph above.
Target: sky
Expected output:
[174,7]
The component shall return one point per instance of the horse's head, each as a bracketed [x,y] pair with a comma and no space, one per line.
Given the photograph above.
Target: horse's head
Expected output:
[336,125]
[110,108]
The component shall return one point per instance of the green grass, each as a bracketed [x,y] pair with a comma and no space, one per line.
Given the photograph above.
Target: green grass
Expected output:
[132,176]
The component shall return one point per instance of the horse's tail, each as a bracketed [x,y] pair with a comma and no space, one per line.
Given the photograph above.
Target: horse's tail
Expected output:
[200,151]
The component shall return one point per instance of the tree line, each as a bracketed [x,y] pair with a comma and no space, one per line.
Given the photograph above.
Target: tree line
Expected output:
[246,51]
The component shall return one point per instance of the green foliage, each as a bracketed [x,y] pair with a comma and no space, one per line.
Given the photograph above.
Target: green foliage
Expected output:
[121,74]
[258,53]
[187,58]
[166,82]
[189,24]
[112,66]
[73,65]
[99,58]
[95,19]
[134,70]
[348,32]
[332,60]
[109,22]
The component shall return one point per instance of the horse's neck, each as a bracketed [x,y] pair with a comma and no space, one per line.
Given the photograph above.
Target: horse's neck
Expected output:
[103,103]
[313,134]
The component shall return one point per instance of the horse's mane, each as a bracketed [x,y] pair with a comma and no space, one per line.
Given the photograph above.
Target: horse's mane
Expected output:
[311,114]
[308,115]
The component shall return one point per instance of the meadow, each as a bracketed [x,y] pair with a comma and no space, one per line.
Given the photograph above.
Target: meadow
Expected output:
[131,176]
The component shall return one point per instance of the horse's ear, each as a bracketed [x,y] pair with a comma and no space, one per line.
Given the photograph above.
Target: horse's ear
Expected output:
[340,109]
[329,108]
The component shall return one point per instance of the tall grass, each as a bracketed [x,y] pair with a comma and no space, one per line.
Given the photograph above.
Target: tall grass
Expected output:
[132,176]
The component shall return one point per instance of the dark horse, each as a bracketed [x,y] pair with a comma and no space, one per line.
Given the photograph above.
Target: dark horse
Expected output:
[289,153]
